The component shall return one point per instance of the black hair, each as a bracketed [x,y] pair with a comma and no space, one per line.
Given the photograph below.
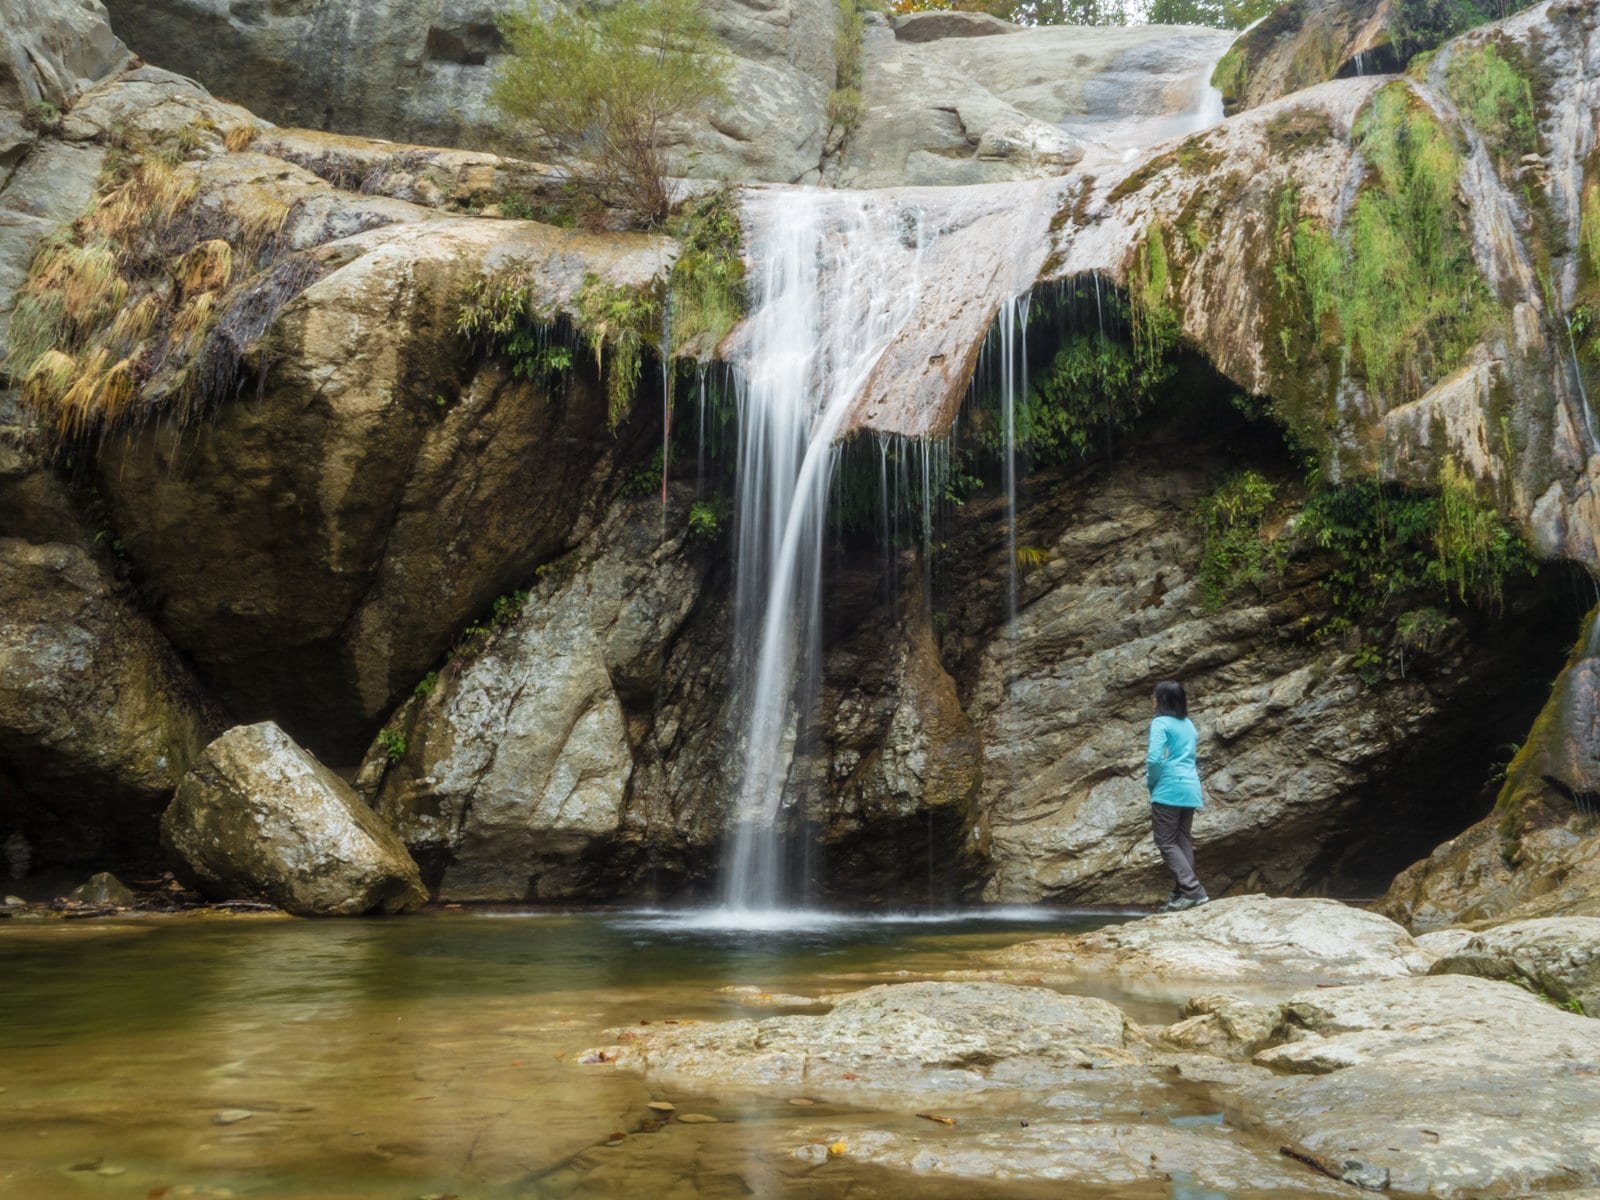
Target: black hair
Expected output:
[1170,700]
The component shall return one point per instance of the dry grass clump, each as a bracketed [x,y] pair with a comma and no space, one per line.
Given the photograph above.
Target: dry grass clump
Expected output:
[239,137]
[147,305]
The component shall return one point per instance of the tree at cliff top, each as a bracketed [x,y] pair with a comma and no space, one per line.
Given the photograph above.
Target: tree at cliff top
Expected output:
[601,85]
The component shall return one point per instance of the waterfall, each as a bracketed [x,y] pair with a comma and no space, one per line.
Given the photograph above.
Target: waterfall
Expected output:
[836,276]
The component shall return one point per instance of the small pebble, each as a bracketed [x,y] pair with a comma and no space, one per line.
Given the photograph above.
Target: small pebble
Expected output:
[813,1153]
[231,1116]
[697,1119]
[662,1105]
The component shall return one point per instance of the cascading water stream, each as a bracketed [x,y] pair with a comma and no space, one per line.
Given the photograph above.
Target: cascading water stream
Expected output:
[837,275]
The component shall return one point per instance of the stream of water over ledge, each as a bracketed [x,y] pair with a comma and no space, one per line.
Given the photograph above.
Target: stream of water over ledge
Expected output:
[438,1055]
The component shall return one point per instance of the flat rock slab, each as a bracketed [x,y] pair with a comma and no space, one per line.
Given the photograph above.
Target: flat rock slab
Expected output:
[1456,1086]
[1246,938]
[1097,1154]
[1558,956]
[927,1040]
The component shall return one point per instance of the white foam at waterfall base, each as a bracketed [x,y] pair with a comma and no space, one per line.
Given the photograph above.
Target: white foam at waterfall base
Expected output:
[836,276]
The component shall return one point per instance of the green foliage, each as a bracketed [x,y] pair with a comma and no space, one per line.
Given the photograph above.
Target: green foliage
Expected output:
[705,521]
[1497,98]
[1589,230]
[1389,543]
[1235,553]
[1094,387]
[706,286]
[1399,289]
[844,102]
[499,313]
[1232,75]
[619,319]
[1421,628]
[41,116]
[1218,14]
[393,742]
[601,83]
[1423,24]
[520,207]
[426,685]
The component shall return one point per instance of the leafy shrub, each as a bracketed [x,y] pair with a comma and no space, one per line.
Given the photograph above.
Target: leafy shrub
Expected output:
[1234,552]
[1497,98]
[601,84]
[393,742]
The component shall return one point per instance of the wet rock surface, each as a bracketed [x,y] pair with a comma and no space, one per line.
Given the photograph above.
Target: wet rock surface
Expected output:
[1556,957]
[1243,938]
[99,719]
[258,817]
[515,779]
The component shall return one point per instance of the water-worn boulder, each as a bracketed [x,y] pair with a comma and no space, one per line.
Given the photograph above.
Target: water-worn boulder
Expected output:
[421,72]
[99,719]
[514,779]
[103,888]
[258,817]
[1557,957]
[1454,1086]
[1305,43]
[943,1040]
[1244,938]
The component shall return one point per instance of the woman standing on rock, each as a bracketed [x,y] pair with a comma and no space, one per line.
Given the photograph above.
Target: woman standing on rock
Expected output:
[1174,782]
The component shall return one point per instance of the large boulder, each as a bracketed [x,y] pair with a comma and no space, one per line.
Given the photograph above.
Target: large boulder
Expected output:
[422,72]
[1305,43]
[513,779]
[259,818]
[1556,957]
[1245,938]
[99,719]
[1452,1086]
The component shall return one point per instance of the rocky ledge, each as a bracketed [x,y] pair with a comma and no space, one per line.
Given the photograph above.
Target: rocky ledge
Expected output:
[1379,1076]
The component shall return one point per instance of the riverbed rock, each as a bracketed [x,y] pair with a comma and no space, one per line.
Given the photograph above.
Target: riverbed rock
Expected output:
[99,719]
[1456,1086]
[422,72]
[516,770]
[258,817]
[103,888]
[1300,45]
[1254,938]
[1557,957]
[936,1040]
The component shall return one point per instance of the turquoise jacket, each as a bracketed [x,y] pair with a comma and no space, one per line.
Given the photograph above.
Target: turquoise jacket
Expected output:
[1169,767]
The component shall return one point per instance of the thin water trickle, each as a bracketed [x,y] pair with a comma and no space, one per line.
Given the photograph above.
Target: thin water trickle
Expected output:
[837,275]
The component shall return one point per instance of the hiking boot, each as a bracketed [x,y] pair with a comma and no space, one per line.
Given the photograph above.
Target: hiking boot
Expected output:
[1185,903]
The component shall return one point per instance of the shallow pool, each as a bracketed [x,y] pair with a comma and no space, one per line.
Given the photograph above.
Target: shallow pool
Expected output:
[433,1055]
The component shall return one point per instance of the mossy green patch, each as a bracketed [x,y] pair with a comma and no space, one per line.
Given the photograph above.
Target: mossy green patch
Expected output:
[1235,551]
[706,286]
[1495,95]
[619,322]
[1397,289]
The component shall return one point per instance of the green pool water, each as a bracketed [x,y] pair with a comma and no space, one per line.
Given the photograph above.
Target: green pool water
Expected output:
[434,1055]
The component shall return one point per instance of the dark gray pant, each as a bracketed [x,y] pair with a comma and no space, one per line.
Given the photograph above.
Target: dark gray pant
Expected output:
[1172,826]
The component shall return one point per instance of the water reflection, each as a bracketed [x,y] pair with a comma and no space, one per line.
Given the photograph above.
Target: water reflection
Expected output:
[273,1058]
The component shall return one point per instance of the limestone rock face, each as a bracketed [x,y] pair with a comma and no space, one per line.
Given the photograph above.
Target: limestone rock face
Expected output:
[1556,956]
[98,718]
[1437,1081]
[944,1040]
[258,817]
[946,101]
[1254,938]
[413,71]
[383,482]
[1300,45]
[518,765]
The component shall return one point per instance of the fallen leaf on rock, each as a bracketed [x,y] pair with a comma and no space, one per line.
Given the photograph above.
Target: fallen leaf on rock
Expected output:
[848,1075]
[662,1105]
[838,1149]
[801,1101]
[938,1118]
[617,1136]
[697,1119]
